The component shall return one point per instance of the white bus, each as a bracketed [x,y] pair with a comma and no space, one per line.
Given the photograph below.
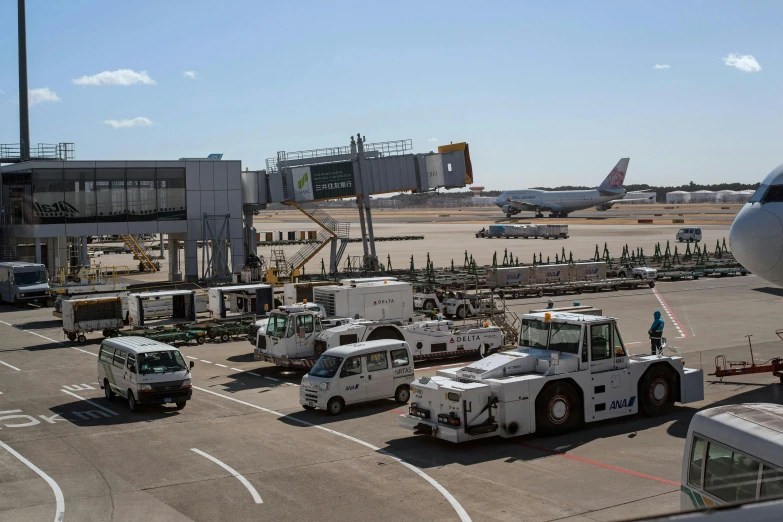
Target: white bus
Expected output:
[733,454]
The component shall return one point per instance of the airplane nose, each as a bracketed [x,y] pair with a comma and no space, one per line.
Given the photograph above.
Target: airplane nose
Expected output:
[756,239]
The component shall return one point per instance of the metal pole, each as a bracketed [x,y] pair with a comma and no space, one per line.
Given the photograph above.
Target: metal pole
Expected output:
[24,116]
[360,199]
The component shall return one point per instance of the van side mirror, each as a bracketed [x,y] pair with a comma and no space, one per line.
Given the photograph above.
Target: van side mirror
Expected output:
[301,332]
[192,364]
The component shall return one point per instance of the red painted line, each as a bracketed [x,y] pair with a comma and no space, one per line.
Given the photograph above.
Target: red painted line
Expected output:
[674,317]
[601,465]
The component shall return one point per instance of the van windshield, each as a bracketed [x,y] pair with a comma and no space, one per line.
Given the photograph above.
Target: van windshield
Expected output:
[276,325]
[29,278]
[161,362]
[326,366]
[533,333]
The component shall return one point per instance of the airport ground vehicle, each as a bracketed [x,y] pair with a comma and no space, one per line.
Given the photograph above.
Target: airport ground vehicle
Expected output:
[428,301]
[296,337]
[516,276]
[688,235]
[568,369]
[630,270]
[356,373]
[471,306]
[732,454]
[386,300]
[23,283]
[526,231]
[86,315]
[143,371]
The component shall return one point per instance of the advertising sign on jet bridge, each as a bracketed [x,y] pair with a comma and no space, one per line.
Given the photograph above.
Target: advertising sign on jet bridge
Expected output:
[333,180]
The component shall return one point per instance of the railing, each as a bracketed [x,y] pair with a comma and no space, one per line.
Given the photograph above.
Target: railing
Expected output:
[381,148]
[41,151]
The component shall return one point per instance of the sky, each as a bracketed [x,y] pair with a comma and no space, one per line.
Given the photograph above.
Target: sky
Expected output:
[545,93]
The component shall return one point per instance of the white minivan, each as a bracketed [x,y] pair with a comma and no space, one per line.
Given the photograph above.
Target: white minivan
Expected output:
[689,234]
[356,373]
[143,371]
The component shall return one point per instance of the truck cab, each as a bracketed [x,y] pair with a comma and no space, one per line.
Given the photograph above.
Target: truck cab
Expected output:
[290,335]
[567,369]
[637,272]
[23,283]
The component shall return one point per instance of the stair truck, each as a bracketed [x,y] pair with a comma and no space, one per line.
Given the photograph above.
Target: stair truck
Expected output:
[86,315]
[568,369]
[295,337]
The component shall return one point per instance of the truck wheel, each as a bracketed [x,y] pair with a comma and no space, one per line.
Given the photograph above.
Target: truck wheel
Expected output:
[429,305]
[106,333]
[621,275]
[558,408]
[132,404]
[515,295]
[615,288]
[540,293]
[71,337]
[200,339]
[652,284]
[461,312]
[224,338]
[181,404]
[335,406]
[656,395]
[82,339]
[403,394]
[107,391]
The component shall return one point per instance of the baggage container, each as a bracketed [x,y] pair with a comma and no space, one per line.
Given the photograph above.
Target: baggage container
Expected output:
[587,271]
[82,316]
[508,276]
[549,273]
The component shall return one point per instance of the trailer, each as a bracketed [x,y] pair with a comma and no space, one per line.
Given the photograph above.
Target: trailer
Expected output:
[568,369]
[172,306]
[295,338]
[384,300]
[81,316]
[234,302]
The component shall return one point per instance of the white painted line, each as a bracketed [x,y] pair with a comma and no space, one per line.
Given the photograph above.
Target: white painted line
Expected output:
[12,367]
[272,379]
[635,342]
[221,365]
[239,477]
[208,362]
[59,513]
[463,515]
[291,384]
[88,401]
[48,339]
[191,357]
[254,374]
[236,369]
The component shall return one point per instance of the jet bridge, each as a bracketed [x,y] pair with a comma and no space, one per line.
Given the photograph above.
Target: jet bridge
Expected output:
[358,170]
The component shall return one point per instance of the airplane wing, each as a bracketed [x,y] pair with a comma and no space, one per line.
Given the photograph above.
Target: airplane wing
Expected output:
[532,207]
[649,199]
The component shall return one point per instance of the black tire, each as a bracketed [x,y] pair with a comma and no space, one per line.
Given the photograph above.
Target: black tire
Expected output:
[181,404]
[211,335]
[462,312]
[540,293]
[71,337]
[615,288]
[308,408]
[133,406]
[656,391]
[107,391]
[403,394]
[81,339]
[200,339]
[225,338]
[335,406]
[114,333]
[558,408]
[652,284]
[515,295]
[579,290]
[107,333]
[429,305]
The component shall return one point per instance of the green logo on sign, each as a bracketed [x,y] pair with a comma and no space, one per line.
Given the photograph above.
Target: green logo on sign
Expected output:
[302,181]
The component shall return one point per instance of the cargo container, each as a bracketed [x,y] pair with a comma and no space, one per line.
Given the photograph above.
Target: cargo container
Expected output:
[555,231]
[587,271]
[508,276]
[376,301]
[86,315]
[549,273]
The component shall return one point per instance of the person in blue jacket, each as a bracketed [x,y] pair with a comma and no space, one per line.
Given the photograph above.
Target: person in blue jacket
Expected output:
[656,333]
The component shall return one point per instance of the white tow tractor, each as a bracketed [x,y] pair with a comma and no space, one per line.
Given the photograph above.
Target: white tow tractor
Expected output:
[471,305]
[568,369]
[296,337]
[631,270]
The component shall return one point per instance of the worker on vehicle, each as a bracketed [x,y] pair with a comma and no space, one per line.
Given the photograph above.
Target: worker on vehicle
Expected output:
[252,260]
[656,333]
[550,304]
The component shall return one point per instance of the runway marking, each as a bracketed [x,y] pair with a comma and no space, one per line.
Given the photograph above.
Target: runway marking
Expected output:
[191,357]
[231,470]
[272,379]
[88,401]
[12,367]
[221,365]
[601,465]
[59,513]
[463,515]
[208,362]
[254,373]
[235,369]
[48,338]
[669,313]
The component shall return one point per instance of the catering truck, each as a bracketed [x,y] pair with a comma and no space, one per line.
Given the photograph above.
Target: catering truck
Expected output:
[23,283]
[568,369]
[374,300]
[296,337]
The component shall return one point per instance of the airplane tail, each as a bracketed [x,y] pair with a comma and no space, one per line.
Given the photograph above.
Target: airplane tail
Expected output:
[614,181]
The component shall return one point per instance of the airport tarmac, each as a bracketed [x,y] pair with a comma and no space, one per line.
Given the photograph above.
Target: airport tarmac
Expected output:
[65,450]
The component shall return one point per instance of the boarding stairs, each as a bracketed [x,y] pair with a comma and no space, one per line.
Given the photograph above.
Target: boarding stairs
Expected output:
[141,250]
[331,230]
[508,323]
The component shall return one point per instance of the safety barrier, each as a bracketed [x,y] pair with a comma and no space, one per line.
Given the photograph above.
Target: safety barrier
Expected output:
[676,221]
[645,221]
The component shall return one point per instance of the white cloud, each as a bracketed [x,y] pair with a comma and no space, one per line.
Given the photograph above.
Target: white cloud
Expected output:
[135,122]
[743,62]
[662,66]
[190,74]
[42,95]
[118,77]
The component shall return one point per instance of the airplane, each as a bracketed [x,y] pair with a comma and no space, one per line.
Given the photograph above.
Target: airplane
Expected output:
[561,203]
[756,236]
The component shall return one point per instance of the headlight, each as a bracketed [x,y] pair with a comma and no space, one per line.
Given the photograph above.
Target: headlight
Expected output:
[186,383]
[323,386]
[145,387]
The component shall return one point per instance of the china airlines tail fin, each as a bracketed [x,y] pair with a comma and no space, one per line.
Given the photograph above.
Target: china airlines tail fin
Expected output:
[614,181]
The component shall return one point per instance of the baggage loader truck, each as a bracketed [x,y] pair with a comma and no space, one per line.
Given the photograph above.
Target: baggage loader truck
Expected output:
[568,369]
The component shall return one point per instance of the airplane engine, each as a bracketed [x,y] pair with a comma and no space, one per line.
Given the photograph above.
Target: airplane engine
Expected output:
[507,209]
[604,206]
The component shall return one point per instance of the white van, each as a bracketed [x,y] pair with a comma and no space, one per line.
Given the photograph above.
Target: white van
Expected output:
[356,373]
[689,234]
[143,371]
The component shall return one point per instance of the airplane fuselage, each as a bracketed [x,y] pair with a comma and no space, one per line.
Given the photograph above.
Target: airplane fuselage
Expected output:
[556,201]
